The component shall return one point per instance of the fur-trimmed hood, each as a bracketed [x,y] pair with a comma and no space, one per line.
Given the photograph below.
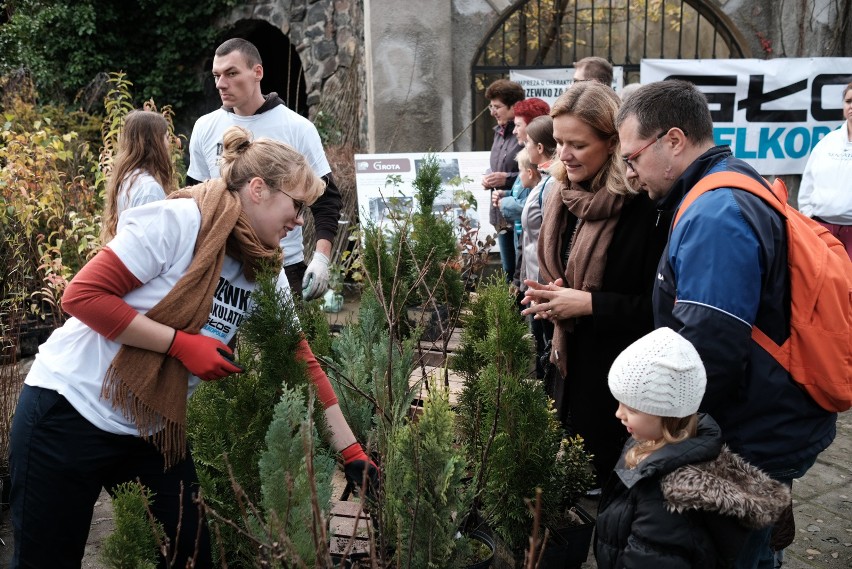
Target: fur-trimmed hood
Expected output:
[729,486]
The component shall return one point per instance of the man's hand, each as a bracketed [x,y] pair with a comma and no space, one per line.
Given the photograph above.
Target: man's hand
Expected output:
[203,356]
[315,281]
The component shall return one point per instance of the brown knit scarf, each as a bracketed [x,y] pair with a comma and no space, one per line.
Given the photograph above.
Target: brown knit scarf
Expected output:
[597,214]
[150,388]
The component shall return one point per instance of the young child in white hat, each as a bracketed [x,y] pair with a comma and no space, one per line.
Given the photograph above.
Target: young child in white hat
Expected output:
[678,496]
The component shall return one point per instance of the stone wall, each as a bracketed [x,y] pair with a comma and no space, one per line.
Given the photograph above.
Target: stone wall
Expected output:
[397,72]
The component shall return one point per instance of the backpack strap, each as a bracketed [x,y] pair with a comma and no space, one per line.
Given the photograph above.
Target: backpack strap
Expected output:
[740,181]
[775,198]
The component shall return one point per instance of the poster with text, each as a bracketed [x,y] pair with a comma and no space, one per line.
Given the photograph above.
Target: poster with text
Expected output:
[385,186]
[548,84]
[771,112]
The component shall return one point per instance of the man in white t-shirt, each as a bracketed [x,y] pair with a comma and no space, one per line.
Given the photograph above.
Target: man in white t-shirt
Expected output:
[237,70]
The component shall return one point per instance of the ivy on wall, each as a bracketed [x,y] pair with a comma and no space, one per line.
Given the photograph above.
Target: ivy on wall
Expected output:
[66,45]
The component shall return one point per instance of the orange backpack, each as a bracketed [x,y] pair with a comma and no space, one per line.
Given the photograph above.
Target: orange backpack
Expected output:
[818,353]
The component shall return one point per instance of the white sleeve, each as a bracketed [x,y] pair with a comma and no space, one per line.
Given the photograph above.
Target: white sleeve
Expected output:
[806,188]
[197,163]
[152,238]
[310,145]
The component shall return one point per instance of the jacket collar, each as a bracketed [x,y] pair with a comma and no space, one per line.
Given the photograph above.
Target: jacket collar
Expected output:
[704,446]
[698,169]
[271,100]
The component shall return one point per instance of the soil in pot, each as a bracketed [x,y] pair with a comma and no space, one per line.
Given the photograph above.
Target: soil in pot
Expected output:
[480,550]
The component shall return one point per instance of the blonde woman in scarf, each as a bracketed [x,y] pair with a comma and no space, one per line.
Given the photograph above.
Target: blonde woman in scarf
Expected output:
[598,249]
[153,313]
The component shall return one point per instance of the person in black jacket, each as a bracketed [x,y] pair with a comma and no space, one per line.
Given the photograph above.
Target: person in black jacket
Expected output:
[598,249]
[678,497]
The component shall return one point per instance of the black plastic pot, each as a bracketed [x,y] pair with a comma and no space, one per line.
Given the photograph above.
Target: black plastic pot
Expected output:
[568,547]
[486,538]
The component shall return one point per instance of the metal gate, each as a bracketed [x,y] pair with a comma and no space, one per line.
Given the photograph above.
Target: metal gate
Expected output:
[543,34]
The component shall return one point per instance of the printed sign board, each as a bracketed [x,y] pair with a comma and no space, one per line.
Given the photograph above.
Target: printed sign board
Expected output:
[385,186]
[548,84]
[770,112]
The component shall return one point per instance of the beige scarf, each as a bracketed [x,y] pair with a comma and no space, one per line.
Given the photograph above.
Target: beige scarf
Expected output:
[597,213]
[150,388]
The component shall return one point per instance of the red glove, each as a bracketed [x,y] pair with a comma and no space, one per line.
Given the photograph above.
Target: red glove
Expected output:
[356,464]
[203,356]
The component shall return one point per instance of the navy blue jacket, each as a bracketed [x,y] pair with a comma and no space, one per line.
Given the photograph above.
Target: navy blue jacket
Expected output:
[726,264]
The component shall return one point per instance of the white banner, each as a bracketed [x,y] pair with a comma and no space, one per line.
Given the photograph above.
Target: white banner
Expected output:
[548,84]
[771,112]
[385,186]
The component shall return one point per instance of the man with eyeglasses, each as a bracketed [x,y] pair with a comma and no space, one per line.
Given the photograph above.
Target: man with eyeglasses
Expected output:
[724,270]
[237,71]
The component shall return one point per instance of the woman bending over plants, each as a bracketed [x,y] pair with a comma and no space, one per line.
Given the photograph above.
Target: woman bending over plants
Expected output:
[153,313]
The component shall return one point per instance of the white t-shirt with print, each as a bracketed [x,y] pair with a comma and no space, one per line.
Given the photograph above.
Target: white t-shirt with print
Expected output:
[155,242]
[278,123]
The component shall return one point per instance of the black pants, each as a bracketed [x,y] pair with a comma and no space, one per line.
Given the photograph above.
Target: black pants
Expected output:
[59,464]
[295,273]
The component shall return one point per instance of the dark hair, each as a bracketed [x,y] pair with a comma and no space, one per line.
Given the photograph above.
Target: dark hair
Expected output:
[528,109]
[663,105]
[245,47]
[507,92]
[540,131]
[596,68]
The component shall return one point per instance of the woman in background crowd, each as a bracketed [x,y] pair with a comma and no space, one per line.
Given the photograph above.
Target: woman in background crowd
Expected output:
[503,95]
[540,148]
[142,169]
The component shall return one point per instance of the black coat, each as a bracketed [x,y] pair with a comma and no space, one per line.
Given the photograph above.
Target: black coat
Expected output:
[688,505]
[621,314]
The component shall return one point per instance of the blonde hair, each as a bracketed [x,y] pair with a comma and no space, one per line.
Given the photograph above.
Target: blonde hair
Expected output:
[597,106]
[523,159]
[675,430]
[142,147]
[279,165]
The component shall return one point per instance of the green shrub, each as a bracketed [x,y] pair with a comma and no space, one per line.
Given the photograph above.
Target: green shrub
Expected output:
[134,543]
[228,419]
[424,491]
[289,487]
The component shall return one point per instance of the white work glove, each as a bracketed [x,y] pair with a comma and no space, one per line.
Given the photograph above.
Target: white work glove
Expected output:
[315,281]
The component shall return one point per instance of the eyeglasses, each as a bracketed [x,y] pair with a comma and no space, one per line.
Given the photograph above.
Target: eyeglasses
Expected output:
[300,205]
[629,160]
[496,107]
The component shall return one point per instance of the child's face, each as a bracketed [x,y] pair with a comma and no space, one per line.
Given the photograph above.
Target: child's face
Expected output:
[528,177]
[642,426]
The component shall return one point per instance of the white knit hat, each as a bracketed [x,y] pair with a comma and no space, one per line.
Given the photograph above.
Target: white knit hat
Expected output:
[659,374]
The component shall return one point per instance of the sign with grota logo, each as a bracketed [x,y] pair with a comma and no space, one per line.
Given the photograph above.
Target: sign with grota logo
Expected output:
[770,112]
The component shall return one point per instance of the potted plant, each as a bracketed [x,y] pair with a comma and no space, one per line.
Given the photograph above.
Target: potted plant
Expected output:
[515,442]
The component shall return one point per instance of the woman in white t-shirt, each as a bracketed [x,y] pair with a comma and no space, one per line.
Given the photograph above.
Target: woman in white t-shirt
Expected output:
[142,170]
[153,313]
